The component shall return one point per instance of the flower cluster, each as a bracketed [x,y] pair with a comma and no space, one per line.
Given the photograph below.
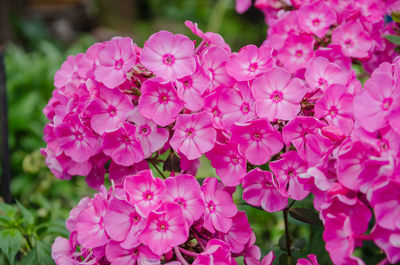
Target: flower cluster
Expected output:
[293,105]
[300,30]
[147,220]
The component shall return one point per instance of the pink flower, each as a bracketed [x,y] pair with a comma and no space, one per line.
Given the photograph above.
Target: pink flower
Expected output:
[375,103]
[311,260]
[321,74]
[354,40]
[236,104]
[229,164]
[214,61]
[239,234]
[151,137]
[159,102]
[115,60]
[257,137]
[191,88]
[260,189]
[123,223]
[277,95]
[297,52]
[194,135]
[220,207]
[336,107]
[108,111]
[216,252]
[242,6]
[169,56]
[165,229]
[388,241]
[286,171]
[144,191]
[316,18]
[123,146]
[140,255]
[185,191]
[90,223]
[249,62]
[75,139]
[73,70]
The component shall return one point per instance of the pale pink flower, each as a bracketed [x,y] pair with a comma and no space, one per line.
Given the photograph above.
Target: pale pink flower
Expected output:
[241,6]
[297,52]
[209,38]
[75,139]
[123,146]
[115,60]
[109,110]
[169,56]
[220,207]
[73,70]
[354,40]
[194,135]
[229,164]
[151,137]
[277,95]
[123,224]
[321,74]
[165,229]
[336,107]
[316,18]
[185,191]
[286,171]
[144,191]
[90,223]
[236,104]
[373,105]
[159,102]
[257,137]
[249,62]
[141,255]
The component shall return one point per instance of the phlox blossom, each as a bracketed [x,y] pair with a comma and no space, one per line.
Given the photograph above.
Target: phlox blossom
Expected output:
[316,18]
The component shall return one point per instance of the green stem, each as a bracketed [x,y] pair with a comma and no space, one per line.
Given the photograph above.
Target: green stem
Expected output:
[158,170]
[287,235]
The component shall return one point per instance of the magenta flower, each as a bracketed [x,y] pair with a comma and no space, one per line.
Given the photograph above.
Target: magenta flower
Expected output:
[169,56]
[144,191]
[108,111]
[239,234]
[185,191]
[114,61]
[220,207]
[194,135]
[321,74]
[297,52]
[277,95]
[123,224]
[257,137]
[159,102]
[75,139]
[90,223]
[311,260]
[286,171]
[216,252]
[260,189]
[229,164]
[316,18]
[151,137]
[249,62]
[354,40]
[242,6]
[141,255]
[165,229]
[236,105]
[388,241]
[375,103]
[123,146]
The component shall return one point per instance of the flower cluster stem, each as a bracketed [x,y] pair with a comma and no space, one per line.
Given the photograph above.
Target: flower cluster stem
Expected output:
[287,235]
[180,257]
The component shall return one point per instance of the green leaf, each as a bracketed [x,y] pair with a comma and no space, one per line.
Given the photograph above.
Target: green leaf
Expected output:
[393,38]
[7,209]
[396,16]
[299,243]
[40,255]
[10,243]
[28,216]
[305,215]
